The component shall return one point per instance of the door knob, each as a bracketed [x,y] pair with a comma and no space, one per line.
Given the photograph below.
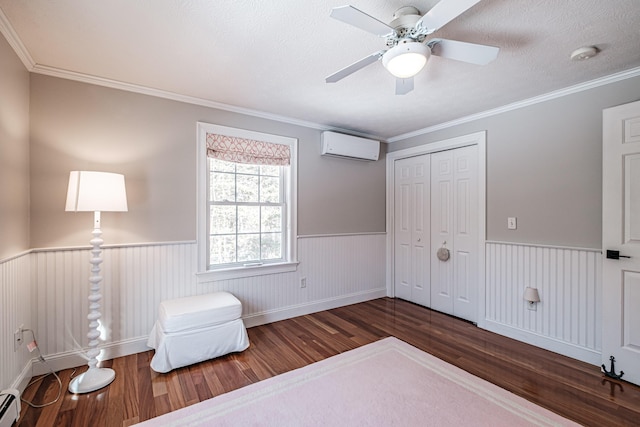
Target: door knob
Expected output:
[615,255]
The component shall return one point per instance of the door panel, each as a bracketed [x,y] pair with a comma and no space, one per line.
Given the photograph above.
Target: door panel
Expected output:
[631,323]
[403,271]
[621,232]
[420,211]
[412,213]
[402,231]
[405,190]
[442,294]
[421,272]
[465,240]
[632,198]
[464,292]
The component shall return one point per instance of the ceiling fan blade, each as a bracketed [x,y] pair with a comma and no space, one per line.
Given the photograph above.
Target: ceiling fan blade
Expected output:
[443,12]
[479,54]
[352,16]
[404,86]
[350,69]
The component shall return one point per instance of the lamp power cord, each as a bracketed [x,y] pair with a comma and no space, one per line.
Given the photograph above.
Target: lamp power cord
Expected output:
[40,378]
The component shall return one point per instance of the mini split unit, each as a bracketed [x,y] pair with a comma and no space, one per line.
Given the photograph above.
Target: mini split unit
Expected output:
[349,147]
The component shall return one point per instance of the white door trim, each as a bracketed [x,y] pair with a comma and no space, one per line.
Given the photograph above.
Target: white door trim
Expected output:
[477,138]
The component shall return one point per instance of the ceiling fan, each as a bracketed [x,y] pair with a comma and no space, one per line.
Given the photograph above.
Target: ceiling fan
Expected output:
[407,41]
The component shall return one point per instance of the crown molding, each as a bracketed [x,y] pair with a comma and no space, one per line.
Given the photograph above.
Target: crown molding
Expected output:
[601,81]
[114,84]
[21,51]
[14,41]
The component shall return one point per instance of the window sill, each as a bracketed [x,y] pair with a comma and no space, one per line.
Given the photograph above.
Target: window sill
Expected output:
[249,271]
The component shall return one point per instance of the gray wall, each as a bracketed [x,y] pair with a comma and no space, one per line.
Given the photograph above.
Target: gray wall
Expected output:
[14,153]
[152,141]
[544,166]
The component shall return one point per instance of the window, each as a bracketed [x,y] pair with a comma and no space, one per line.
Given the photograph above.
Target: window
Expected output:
[247,213]
[246,204]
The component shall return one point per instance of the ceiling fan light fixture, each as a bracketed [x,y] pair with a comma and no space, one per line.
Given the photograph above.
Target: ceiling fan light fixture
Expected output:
[406,59]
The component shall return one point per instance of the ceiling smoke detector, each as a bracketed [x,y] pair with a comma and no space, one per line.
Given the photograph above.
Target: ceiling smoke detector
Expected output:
[584,53]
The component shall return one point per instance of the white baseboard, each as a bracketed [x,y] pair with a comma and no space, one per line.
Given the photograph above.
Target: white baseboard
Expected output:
[72,359]
[566,349]
[21,382]
[265,317]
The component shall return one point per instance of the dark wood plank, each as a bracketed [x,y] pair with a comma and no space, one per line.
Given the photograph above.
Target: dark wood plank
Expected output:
[146,402]
[115,409]
[566,386]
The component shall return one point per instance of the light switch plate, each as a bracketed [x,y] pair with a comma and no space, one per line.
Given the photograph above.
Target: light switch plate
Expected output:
[512,223]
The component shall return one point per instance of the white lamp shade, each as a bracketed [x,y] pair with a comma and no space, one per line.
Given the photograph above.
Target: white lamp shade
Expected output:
[406,59]
[531,295]
[96,191]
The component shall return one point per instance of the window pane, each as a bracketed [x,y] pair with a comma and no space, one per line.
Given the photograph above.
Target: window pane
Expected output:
[223,220]
[271,246]
[269,190]
[221,166]
[270,170]
[223,187]
[247,188]
[248,219]
[250,169]
[271,218]
[248,247]
[222,249]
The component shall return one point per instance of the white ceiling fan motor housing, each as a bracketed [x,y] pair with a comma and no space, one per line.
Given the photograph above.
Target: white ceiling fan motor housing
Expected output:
[406,16]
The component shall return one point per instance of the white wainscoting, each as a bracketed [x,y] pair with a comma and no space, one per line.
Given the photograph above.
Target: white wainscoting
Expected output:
[47,290]
[568,318]
[339,270]
[135,279]
[15,310]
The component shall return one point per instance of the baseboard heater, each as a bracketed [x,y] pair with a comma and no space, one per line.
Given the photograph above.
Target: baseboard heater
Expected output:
[9,407]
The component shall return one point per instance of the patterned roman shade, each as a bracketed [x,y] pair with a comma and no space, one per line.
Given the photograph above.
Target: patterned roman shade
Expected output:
[249,151]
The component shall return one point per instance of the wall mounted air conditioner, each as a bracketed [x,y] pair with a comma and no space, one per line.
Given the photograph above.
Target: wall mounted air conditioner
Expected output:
[348,146]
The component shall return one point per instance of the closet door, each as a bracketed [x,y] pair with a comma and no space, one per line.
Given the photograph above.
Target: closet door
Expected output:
[454,226]
[411,229]
[442,230]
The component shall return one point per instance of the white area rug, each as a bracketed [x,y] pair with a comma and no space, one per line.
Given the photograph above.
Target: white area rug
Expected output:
[386,383]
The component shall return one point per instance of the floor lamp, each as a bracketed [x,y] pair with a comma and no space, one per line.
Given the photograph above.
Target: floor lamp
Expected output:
[95,192]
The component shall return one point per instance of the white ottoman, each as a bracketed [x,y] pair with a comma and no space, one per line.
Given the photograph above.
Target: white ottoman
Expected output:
[193,329]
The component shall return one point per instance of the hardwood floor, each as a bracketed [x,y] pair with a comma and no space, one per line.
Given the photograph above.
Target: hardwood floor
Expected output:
[568,387]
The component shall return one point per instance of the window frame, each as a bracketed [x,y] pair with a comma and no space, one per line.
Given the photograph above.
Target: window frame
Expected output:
[290,193]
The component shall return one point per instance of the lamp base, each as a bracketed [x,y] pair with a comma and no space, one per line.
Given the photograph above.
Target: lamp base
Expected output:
[91,380]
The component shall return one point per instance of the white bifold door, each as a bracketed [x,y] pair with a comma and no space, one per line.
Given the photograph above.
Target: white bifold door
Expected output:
[436,231]
[411,229]
[454,227]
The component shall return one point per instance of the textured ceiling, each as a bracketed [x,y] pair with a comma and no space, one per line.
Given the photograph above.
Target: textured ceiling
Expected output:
[272,57]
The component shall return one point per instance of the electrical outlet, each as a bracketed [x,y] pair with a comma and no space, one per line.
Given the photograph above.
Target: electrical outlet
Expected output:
[303,282]
[18,337]
[512,223]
